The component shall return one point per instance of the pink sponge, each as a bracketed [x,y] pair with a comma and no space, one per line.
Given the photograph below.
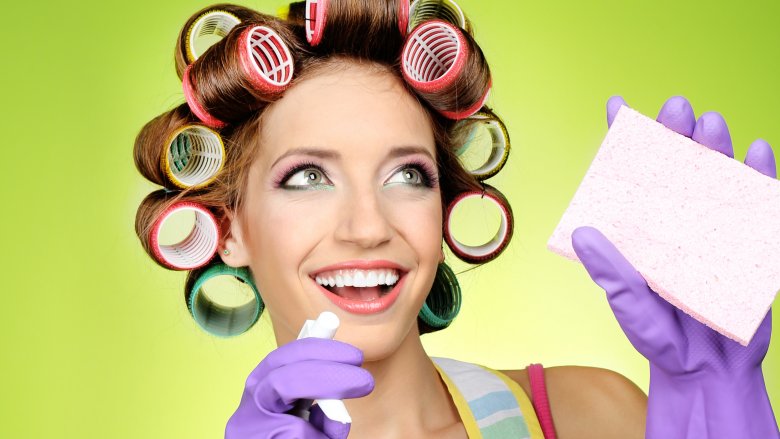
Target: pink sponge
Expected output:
[701,228]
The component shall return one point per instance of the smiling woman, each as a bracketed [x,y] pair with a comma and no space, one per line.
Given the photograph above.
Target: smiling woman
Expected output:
[341,124]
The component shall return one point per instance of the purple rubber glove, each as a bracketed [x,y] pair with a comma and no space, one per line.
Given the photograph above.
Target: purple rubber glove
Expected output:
[702,384]
[310,368]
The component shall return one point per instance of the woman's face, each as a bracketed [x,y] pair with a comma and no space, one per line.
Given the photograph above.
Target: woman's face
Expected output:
[342,211]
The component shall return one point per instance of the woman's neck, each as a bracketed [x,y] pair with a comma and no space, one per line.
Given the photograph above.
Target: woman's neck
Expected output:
[409,399]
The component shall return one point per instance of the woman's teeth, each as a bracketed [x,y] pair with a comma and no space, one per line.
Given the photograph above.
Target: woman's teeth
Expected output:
[358,278]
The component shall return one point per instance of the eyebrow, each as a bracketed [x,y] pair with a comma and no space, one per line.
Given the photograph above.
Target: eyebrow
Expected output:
[395,152]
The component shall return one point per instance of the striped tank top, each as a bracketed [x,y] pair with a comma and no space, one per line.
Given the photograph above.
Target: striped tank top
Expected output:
[492,405]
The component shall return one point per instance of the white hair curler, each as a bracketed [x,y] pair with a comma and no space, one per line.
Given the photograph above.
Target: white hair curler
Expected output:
[193,251]
[206,30]
[193,157]
[491,249]
[486,123]
[265,59]
[424,10]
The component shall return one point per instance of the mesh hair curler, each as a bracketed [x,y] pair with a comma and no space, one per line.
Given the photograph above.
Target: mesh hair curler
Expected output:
[490,250]
[265,59]
[206,30]
[193,157]
[447,10]
[480,124]
[216,308]
[193,251]
[435,62]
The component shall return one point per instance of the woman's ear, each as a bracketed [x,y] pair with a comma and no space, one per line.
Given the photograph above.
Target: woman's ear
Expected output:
[232,248]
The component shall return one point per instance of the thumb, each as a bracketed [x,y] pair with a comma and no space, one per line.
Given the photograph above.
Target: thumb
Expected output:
[647,319]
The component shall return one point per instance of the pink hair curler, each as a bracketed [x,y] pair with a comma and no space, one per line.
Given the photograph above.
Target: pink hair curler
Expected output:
[433,56]
[189,94]
[494,247]
[315,20]
[206,30]
[403,17]
[466,112]
[193,157]
[433,62]
[265,59]
[193,251]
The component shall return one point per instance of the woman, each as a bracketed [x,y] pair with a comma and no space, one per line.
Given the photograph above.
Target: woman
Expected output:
[334,194]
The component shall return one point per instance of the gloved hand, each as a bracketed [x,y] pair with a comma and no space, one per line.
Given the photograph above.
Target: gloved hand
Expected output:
[310,368]
[702,384]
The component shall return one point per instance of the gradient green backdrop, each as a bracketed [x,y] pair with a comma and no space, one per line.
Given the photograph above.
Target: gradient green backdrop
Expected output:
[96,341]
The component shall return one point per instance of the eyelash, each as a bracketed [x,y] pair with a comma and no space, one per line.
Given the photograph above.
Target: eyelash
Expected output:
[429,177]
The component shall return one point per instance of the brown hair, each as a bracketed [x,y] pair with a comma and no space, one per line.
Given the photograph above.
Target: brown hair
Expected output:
[364,31]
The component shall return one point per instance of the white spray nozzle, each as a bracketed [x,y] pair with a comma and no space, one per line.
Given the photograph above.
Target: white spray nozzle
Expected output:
[325,327]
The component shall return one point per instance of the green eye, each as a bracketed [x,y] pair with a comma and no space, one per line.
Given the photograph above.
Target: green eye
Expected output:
[407,175]
[307,178]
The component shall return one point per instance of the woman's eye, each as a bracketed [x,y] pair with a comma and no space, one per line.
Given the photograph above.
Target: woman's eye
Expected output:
[306,178]
[407,175]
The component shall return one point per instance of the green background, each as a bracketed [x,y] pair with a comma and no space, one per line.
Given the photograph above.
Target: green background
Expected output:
[96,341]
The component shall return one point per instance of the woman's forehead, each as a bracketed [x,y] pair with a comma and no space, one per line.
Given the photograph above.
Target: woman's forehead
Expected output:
[349,106]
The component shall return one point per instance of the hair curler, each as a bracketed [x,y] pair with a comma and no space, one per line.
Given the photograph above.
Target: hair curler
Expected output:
[434,62]
[315,20]
[206,30]
[195,106]
[481,123]
[494,247]
[261,66]
[193,251]
[193,157]
[447,10]
[265,59]
[222,318]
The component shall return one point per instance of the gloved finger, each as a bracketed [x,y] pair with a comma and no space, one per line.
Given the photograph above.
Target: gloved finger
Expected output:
[647,320]
[761,158]
[312,379]
[677,115]
[613,105]
[711,131]
[306,349]
[332,429]
[295,429]
[246,424]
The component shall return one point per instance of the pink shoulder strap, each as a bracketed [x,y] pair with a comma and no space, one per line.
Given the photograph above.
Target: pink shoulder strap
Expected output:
[539,400]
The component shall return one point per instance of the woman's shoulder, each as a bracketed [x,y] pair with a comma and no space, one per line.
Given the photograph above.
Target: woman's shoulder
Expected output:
[590,402]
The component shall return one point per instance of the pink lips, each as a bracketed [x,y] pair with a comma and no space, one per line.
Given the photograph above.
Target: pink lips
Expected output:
[359,306]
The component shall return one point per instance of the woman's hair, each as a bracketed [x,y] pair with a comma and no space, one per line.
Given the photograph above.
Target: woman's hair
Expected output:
[357,31]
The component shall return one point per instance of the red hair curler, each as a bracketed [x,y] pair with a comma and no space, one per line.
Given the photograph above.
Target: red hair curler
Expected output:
[435,62]
[194,251]
[265,59]
[490,250]
[199,112]
[315,20]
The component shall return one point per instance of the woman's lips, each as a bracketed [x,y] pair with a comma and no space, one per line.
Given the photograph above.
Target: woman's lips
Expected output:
[361,306]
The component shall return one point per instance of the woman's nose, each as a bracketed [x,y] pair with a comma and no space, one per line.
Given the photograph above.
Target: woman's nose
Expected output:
[363,221]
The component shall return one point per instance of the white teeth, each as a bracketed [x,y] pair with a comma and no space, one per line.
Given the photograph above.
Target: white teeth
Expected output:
[358,278]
